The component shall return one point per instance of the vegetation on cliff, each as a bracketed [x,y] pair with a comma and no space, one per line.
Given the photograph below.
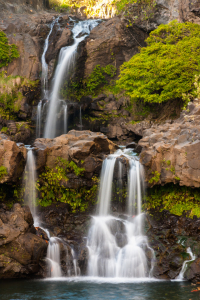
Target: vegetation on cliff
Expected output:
[8,52]
[92,85]
[164,70]
[12,89]
[177,199]
[52,186]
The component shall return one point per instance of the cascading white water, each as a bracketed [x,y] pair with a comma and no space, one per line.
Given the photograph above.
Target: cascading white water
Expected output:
[43,60]
[44,80]
[29,182]
[117,246]
[39,119]
[180,277]
[66,64]
[65,118]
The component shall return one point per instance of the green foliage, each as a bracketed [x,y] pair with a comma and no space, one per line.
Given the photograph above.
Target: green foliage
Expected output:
[7,52]
[4,129]
[93,84]
[52,182]
[174,198]
[3,172]
[155,178]
[11,95]
[166,68]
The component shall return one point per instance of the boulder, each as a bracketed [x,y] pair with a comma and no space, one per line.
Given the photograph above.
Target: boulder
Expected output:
[20,250]
[79,146]
[13,158]
[173,150]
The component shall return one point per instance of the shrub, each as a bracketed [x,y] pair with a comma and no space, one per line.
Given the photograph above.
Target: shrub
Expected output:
[7,52]
[3,172]
[51,188]
[166,68]
[174,198]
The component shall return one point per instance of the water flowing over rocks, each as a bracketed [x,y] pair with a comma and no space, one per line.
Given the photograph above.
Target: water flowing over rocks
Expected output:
[21,250]
[173,149]
[169,236]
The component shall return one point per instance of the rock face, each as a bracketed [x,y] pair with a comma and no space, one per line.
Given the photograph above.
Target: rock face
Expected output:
[173,150]
[13,158]
[112,42]
[85,146]
[150,16]
[21,251]
[170,236]
[28,32]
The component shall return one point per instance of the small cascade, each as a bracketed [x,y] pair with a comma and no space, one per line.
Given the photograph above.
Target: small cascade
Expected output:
[29,182]
[75,263]
[53,256]
[39,119]
[65,118]
[184,267]
[65,67]
[44,64]
[117,246]
[44,81]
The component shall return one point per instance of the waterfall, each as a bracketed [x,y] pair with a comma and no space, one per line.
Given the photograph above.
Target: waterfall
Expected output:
[65,66]
[39,119]
[53,251]
[29,182]
[65,118]
[116,245]
[180,277]
[43,60]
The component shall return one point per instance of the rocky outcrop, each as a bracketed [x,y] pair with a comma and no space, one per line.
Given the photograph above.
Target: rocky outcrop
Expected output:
[112,42]
[13,159]
[28,32]
[148,16]
[23,6]
[79,146]
[21,250]
[172,150]
[170,236]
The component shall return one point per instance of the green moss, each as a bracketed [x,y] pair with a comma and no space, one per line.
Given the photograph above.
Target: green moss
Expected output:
[174,198]
[51,186]
[155,178]
[4,129]
[7,52]
[164,70]
[3,172]
[11,95]
[92,85]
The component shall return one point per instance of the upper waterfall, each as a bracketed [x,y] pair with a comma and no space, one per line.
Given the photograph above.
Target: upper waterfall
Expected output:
[66,65]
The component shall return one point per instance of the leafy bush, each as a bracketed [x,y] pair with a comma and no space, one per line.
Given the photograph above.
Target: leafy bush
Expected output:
[166,68]
[3,172]
[174,198]
[7,52]
[93,84]
[51,188]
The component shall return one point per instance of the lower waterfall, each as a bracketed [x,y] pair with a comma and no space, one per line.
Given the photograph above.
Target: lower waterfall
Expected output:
[53,250]
[117,246]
